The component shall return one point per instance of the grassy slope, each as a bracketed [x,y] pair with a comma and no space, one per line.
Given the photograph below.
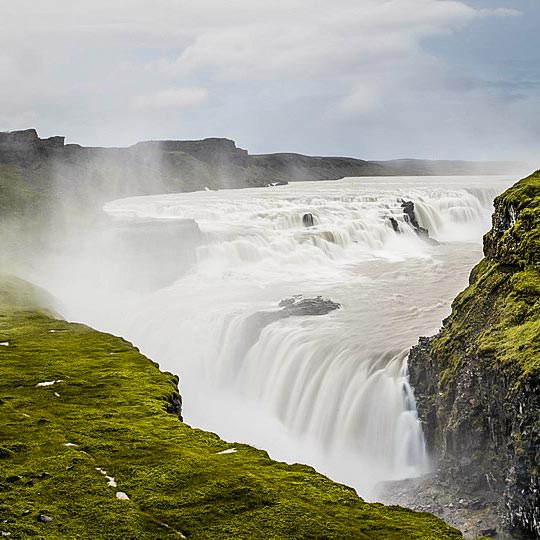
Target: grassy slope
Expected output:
[497,317]
[111,404]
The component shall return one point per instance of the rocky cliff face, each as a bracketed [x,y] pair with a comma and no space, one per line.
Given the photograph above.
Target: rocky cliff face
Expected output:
[215,151]
[477,382]
[25,147]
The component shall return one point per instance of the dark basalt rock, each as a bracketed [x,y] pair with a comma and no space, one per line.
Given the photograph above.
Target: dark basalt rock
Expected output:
[410,217]
[307,220]
[174,401]
[484,436]
[296,306]
[431,493]
[395,224]
[410,214]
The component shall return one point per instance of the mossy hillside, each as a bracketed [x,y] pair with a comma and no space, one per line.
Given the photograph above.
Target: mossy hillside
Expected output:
[109,411]
[497,318]
[515,236]
[495,322]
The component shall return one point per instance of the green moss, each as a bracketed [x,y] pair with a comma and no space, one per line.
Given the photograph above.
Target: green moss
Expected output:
[515,238]
[497,318]
[523,194]
[110,405]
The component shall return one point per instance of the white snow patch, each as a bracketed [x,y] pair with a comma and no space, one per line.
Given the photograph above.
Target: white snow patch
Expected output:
[49,383]
[228,451]
[207,188]
[5,344]
[110,480]
[122,495]
[57,394]
[6,533]
[70,444]
[26,415]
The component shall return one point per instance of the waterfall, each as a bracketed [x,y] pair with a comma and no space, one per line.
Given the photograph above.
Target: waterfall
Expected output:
[330,390]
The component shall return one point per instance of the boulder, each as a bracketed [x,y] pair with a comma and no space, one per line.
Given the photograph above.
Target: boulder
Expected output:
[307,220]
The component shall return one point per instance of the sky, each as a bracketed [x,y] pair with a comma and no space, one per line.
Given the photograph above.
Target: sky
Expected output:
[375,79]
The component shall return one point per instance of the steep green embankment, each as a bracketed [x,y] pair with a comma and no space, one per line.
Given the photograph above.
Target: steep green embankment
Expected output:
[108,407]
[478,381]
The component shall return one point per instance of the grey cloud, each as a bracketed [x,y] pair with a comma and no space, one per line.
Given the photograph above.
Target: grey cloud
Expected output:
[287,75]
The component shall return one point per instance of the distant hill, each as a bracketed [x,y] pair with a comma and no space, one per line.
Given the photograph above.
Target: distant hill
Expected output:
[85,177]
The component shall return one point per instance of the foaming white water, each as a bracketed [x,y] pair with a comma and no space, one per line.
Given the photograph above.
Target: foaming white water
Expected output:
[328,390]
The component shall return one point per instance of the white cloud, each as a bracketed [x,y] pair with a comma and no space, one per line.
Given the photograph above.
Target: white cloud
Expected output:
[83,68]
[311,39]
[172,98]
[501,12]
[365,99]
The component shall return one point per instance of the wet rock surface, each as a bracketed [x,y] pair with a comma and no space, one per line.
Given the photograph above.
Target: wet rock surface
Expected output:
[485,435]
[298,306]
[395,224]
[307,220]
[409,214]
[473,516]
[295,306]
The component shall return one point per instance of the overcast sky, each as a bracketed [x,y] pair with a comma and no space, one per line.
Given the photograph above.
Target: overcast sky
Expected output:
[367,78]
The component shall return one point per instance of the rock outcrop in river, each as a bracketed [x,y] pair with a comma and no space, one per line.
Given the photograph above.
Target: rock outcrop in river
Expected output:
[477,382]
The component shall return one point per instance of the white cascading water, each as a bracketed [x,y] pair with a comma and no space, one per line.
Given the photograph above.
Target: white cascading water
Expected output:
[328,390]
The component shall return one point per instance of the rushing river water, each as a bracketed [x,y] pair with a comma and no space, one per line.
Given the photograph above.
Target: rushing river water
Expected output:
[180,275]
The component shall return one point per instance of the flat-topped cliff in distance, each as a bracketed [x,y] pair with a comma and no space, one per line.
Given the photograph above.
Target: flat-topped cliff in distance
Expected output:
[95,174]
[25,147]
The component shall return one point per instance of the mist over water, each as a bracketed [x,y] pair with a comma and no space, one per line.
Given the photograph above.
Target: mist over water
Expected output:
[183,275]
